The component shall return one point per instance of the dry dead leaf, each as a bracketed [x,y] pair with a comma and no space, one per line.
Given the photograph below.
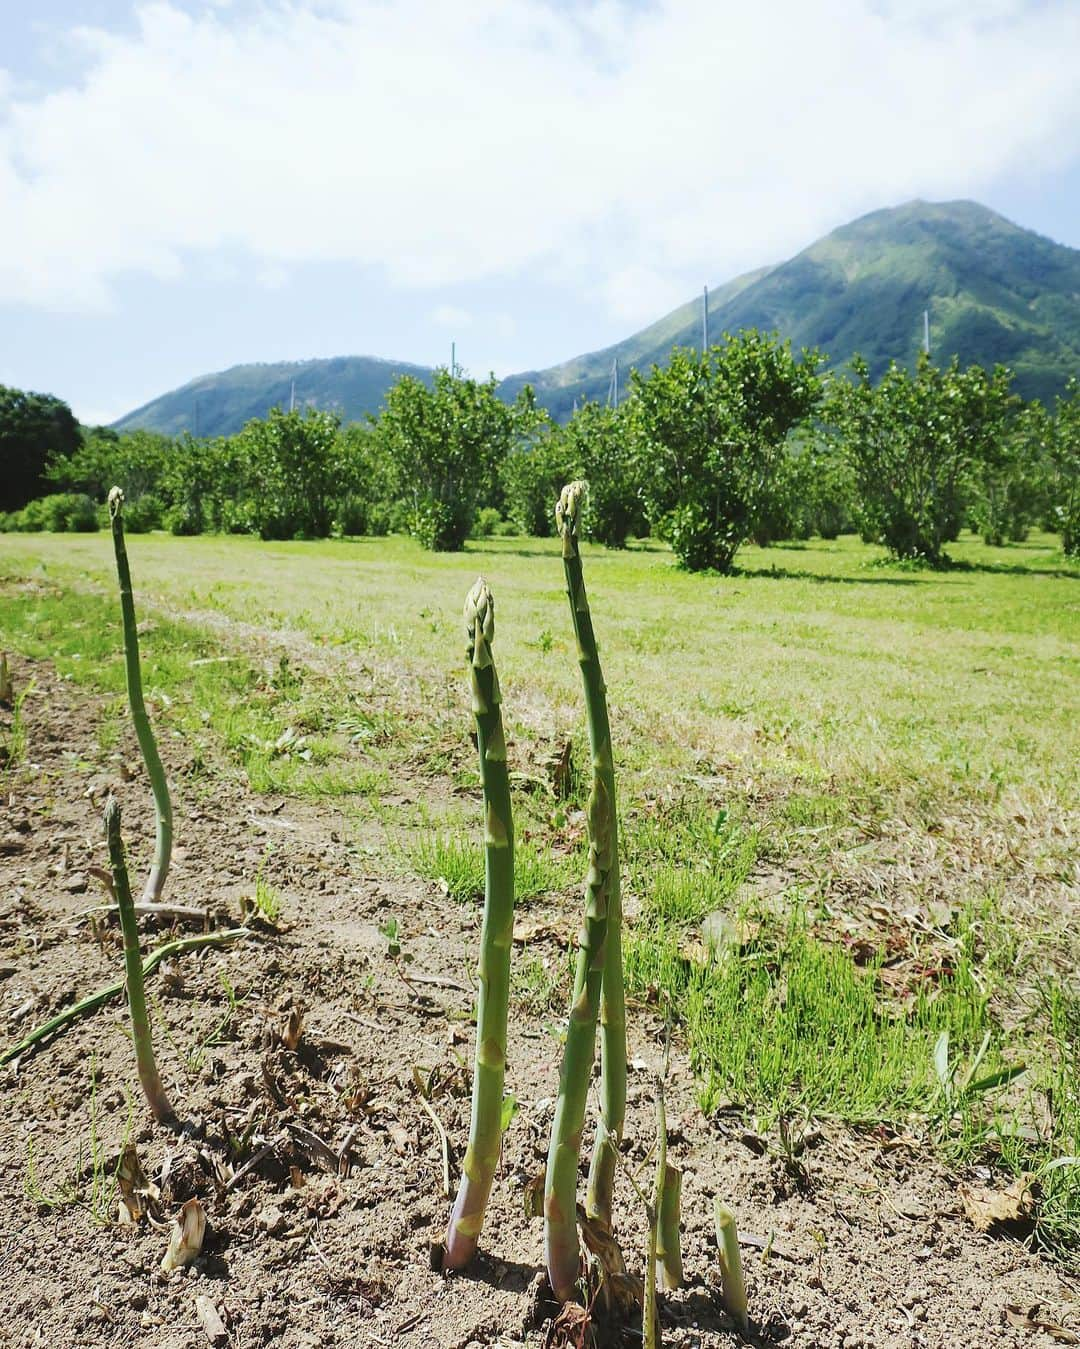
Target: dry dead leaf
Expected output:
[402,1140]
[186,1238]
[529,930]
[137,1193]
[987,1209]
[1029,1318]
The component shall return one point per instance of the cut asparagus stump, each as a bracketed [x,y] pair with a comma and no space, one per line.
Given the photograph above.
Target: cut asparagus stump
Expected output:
[731,1276]
[669,1241]
[493,973]
[133,968]
[613,1005]
[159,870]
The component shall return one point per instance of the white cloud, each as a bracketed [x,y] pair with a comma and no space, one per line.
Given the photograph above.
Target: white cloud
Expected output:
[451,316]
[630,149]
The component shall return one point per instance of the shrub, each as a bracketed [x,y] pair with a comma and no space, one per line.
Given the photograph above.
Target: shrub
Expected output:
[486,523]
[447,444]
[913,443]
[710,433]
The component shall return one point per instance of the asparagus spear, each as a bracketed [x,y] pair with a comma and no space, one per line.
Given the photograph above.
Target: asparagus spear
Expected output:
[140,1022]
[613,1007]
[485,1134]
[560,1226]
[155,882]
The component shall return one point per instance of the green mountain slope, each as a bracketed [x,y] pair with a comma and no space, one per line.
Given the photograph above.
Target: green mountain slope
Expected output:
[995,292]
[220,404]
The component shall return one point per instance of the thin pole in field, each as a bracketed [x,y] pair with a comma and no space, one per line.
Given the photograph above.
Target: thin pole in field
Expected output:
[926,330]
[705,323]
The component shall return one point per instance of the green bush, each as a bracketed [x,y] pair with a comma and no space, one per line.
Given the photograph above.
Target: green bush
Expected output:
[487,522]
[914,442]
[710,432]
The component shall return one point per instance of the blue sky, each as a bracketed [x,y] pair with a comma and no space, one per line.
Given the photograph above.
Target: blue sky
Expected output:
[188,184]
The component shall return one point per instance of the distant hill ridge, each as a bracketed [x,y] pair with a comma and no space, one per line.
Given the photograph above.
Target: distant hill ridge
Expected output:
[995,292]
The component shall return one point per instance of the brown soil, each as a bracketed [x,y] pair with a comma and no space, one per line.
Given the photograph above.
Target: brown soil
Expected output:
[326,1240]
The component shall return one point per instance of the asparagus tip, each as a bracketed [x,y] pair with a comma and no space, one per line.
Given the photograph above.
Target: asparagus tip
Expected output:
[568,508]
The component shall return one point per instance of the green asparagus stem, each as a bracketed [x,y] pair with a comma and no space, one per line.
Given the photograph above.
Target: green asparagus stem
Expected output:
[140,1022]
[159,871]
[485,1134]
[650,1321]
[669,1246]
[613,1007]
[560,1225]
[91,1003]
[727,1243]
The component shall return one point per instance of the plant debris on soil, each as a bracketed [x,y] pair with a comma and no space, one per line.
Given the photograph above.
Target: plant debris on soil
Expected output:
[312,1063]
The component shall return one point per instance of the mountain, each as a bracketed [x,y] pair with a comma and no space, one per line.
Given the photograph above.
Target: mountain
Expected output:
[994,291]
[220,404]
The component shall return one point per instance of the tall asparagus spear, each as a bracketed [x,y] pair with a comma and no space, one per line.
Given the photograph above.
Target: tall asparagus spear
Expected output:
[560,1223]
[140,1022]
[485,1134]
[155,882]
[613,1007]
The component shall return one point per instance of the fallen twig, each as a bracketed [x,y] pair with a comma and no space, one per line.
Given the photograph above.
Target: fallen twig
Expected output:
[102,996]
[442,1139]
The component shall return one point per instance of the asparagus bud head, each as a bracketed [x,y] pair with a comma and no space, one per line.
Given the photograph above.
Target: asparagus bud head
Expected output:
[568,510]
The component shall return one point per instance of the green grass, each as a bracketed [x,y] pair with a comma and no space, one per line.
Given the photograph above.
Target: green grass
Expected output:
[843,759]
[457,861]
[789,1023]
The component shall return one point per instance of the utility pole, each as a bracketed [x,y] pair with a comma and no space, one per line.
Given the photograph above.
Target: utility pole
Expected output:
[453,360]
[292,397]
[926,330]
[195,432]
[705,324]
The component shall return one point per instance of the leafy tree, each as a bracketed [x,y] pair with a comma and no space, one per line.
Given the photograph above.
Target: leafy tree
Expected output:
[532,478]
[34,429]
[136,461]
[447,444]
[1009,484]
[1065,469]
[710,430]
[367,504]
[599,445]
[293,471]
[913,443]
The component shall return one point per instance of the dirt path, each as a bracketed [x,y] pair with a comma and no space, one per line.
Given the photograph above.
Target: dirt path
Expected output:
[325,1240]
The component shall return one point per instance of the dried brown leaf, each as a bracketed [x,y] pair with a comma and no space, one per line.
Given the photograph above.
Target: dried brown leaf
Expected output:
[1029,1318]
[987,1209]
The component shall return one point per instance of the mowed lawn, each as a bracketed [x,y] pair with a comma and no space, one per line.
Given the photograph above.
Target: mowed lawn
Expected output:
[814,664]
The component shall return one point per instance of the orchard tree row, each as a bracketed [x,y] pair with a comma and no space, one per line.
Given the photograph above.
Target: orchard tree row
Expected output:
[743,442]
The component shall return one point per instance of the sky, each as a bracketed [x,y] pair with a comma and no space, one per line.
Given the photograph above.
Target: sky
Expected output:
[187,185]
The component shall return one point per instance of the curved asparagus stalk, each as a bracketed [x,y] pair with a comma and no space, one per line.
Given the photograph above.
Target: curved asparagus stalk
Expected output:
[485,1134]
[613,1007]
[155,882]
[133,968]
[560,1225]
[669,1243]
